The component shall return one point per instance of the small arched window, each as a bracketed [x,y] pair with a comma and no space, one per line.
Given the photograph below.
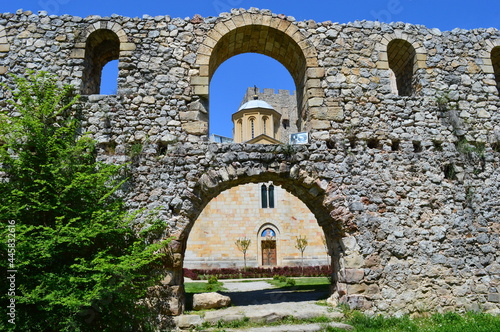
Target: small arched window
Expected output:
[102,46]
[495,61]
[271,196]
[263,196]
[252,127]
[239,130]
[402,61]
[264,124]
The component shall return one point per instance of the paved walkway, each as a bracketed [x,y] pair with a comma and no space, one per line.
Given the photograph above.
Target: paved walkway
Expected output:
[258,301]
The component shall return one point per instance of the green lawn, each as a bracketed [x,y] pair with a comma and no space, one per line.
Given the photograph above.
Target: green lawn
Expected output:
[202,287]
[449,322]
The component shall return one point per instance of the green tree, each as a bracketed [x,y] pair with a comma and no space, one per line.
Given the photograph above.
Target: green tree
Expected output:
[80,266]
[301,245]
[243,244]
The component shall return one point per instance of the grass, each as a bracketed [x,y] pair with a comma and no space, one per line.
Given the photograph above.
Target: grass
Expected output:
[317,284]
[202,287]
[448,322]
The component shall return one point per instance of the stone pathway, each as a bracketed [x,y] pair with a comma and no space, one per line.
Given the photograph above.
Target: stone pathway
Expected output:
[263,303]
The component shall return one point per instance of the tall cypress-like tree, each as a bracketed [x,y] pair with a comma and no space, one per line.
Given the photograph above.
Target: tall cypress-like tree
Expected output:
[80,267]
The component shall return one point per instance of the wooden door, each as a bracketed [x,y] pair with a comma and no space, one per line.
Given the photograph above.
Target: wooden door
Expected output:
[269,252]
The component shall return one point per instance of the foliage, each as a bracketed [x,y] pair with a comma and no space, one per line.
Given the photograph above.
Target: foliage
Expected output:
[316,283]
[259,272]
[80,266]
[202,287]
[301,244]
[448,322]
[243,244]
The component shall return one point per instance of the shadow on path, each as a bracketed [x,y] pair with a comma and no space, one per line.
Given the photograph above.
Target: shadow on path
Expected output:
[278,295]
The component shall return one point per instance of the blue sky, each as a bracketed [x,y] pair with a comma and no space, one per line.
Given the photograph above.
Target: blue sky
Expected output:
[233,76]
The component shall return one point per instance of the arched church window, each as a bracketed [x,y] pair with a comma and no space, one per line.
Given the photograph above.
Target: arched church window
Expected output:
[495,60]
[252,127]
[102,46]
[267,196]
[263,196]
[264,124]
[402,57]
[239,130]
[271,196]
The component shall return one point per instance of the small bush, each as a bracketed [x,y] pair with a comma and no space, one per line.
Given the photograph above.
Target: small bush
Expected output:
[282,279]
[212,280]
[290,282]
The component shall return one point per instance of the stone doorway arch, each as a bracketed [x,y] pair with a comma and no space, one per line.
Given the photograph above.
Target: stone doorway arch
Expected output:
[308,189]
[271,36]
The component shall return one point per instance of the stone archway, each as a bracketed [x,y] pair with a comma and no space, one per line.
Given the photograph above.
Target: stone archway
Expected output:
[328,208]
[270,36]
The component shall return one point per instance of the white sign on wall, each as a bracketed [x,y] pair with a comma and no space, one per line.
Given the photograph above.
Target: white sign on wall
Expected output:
[299,138]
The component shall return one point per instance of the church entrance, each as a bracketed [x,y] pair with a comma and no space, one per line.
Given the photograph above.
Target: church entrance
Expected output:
[269,253]
[268,247]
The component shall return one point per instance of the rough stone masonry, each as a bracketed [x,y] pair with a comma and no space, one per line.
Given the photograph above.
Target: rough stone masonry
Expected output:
[402,171]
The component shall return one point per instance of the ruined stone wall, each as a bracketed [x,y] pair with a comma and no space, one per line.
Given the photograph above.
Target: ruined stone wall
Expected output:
[403,176]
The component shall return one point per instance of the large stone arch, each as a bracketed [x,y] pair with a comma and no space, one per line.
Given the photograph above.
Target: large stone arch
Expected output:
[323,199]
[272,36]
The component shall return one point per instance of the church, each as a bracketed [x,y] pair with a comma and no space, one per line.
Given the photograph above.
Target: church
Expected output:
[270,218]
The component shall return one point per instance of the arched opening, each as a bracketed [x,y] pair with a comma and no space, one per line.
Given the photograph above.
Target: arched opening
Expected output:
[259,212]
[232,85]
[495,60]
[267,238]
[402,62]
[276,38]
[109,78]
[102,46]
[252,126]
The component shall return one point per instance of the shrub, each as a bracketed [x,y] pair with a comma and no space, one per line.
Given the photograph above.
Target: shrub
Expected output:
[213,280]
[260,272]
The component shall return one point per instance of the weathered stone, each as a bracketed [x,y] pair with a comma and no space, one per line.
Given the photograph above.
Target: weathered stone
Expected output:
[188,321]
[205,301]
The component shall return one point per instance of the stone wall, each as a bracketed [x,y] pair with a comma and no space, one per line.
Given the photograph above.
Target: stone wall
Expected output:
[406,186]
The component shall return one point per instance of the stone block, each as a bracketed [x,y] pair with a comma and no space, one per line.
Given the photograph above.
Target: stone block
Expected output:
[354,261]
[214,300]
[4,47]
[127,47]
[383,65]
[3,70]
[188,321]
[328,113]
[77,53]
[196,128]
[315,72]
[494,297]
[199,80]
[354,276]
[201,90]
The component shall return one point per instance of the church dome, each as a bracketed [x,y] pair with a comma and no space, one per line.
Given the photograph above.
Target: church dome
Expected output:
[255,103]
